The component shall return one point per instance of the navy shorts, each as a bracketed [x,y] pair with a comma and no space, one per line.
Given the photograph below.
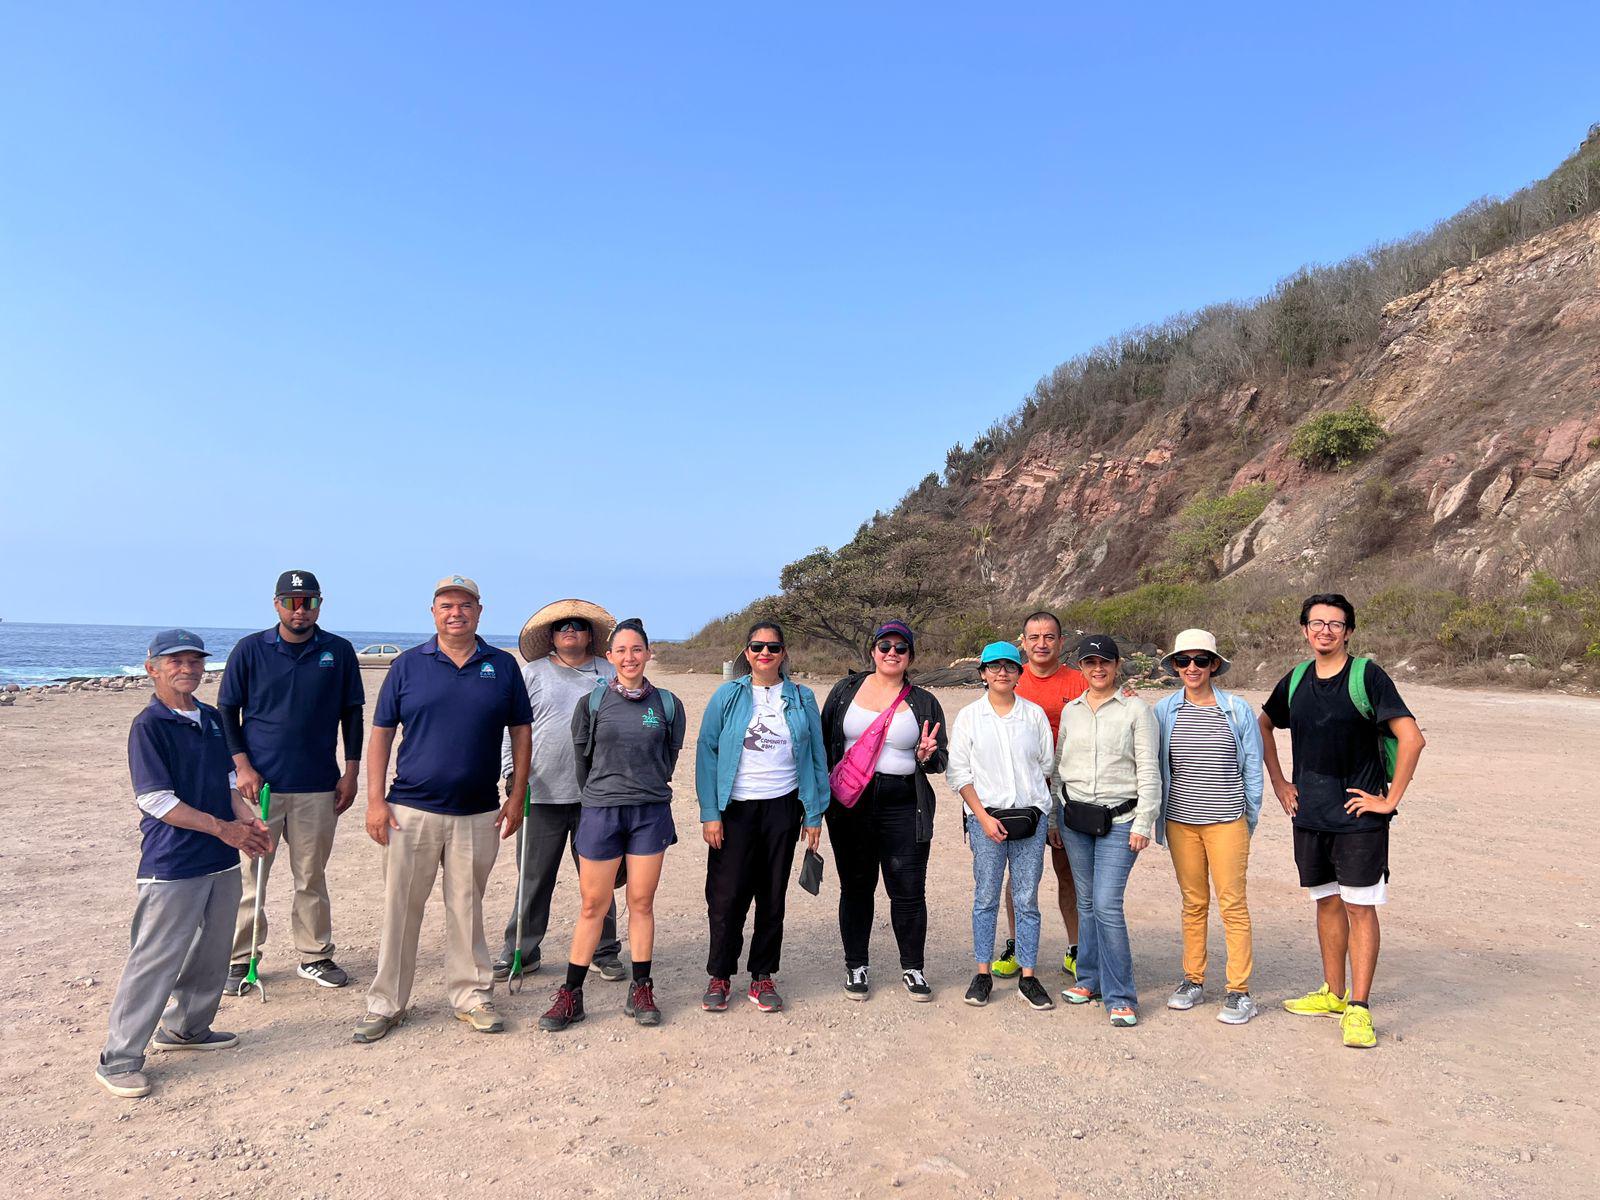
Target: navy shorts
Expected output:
[613,831]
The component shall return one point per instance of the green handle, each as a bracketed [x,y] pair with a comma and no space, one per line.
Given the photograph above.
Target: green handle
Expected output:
[527,802]
[266,799]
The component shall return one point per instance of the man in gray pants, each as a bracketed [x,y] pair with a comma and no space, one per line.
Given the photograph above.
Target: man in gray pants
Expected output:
[194,826]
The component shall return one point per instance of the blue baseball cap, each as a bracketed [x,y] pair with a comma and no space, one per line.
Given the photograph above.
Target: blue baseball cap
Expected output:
[1000,652]
[175,641]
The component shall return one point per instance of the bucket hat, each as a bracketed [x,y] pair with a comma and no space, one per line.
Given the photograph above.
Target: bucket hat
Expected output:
[1193,640]
[535,640]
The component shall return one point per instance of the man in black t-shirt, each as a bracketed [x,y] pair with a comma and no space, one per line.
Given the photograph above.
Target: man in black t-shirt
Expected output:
[1341,802]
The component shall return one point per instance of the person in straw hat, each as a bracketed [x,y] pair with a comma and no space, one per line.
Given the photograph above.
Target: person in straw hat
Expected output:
[1211,799]
[557,643]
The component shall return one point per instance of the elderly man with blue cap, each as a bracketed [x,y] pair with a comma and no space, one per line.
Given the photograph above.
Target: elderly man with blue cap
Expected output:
[194,824]
[1000,757]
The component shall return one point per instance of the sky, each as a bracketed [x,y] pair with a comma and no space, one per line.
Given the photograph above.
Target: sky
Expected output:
[639,302]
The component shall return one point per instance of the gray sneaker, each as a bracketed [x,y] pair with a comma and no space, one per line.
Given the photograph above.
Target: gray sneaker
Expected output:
[211,1039]
[125,1085]
[609,969]
[1237,1008]
[374,1027]
[1187,996]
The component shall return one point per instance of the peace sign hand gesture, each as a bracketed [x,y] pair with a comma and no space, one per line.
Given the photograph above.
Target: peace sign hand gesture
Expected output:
[928,742]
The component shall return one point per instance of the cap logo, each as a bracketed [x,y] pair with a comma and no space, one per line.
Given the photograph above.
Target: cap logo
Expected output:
[457,579]
[486,671]
[296,581]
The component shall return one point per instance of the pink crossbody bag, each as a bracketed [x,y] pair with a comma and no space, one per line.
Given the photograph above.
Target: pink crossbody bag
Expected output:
[852,773]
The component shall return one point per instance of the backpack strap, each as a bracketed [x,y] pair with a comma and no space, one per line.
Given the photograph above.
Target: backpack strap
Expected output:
[1295,676]
[596,695]
[669,706]
[1358,688]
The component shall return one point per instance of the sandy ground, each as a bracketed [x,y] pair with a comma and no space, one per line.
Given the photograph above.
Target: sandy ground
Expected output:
[1482,1085]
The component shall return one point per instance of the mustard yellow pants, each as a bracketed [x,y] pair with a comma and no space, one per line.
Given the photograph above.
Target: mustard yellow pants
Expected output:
[1207,856]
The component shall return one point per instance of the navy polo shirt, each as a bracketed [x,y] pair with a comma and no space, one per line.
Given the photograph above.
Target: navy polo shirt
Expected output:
[292,697]
[453,718]
[169,753]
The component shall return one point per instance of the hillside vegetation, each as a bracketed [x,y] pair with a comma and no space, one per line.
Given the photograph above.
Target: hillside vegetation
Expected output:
[1417,426]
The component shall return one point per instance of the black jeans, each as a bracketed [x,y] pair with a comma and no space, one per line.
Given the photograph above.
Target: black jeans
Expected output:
[549,839]
[880,833]
[758,841]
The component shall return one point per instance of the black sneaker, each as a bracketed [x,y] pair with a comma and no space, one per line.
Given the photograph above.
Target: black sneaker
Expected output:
[324,973]
[609,969]
[567,1010]
[641,1002]
[856,986]
[916,986]
[502,969]
[235,981]
[1032,991]
[978,990]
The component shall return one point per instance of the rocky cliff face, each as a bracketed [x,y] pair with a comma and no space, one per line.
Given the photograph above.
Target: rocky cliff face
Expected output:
[1487,383]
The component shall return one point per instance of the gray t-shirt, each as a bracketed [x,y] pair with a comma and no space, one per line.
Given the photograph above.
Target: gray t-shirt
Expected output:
[553,688]
[634,752]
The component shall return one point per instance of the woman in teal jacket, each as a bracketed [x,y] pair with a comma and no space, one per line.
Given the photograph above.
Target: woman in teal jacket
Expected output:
[762,777]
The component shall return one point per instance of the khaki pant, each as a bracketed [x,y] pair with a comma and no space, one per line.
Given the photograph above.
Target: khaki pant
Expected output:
[1213,855]
[305,821]
[466,848]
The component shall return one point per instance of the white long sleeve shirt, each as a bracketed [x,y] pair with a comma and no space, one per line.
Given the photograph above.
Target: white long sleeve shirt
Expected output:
[1006,759]
[1111,755]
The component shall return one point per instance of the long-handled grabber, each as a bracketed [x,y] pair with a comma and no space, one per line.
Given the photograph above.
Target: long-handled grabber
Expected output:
[251,980]
[514,980]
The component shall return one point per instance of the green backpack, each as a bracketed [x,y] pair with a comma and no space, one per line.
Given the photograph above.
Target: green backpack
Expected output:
[1388,744]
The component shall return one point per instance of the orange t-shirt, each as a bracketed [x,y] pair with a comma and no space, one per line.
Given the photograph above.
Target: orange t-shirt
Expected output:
[1053,693]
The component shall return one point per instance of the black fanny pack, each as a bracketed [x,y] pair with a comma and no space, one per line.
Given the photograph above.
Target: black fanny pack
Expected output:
[1092,819]
[1020,824]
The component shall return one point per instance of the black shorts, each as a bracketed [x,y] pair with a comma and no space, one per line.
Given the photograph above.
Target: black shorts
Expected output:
[1351,859]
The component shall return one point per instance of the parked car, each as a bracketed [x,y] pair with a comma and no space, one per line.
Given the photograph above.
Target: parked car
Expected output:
[381,654]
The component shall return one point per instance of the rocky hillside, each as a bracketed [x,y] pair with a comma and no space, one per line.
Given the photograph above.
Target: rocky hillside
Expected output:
[1486,384]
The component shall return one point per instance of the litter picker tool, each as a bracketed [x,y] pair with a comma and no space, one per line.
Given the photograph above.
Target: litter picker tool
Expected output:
[514,980]
[251,979]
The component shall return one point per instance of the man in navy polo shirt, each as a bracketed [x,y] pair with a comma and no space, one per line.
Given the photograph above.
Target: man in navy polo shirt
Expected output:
[454,695]
[194,826]
[286,694]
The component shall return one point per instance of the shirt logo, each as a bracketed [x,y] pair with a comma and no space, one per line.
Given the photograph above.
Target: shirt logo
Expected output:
[650,720]
[486,671]
[296,581]
[326,660]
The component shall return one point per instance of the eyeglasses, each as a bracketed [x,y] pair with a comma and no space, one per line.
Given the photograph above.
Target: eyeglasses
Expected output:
[766,647]
[296,603]
[1201,660]
[1319,625]
[888,647]
[572,625]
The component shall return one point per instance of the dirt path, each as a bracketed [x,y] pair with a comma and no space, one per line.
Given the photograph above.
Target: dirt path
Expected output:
[1483,1083]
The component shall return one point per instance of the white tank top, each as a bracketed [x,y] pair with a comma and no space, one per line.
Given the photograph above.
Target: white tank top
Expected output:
[899,755]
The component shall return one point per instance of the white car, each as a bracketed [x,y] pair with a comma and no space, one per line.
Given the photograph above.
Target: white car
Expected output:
[379,655]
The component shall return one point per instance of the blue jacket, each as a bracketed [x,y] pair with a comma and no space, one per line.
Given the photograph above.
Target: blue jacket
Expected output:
[721,742]
[1246,736]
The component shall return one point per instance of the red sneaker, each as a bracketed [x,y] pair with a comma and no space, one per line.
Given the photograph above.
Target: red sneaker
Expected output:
[716,997]
[764,995]
[567,1010]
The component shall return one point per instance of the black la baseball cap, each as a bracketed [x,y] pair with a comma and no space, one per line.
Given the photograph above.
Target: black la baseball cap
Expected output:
[298,583]
[1098,645]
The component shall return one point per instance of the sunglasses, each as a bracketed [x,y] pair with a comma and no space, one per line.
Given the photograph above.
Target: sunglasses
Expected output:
[766,647]
[296,603]
[888,647]
[1201,660]
[572,625]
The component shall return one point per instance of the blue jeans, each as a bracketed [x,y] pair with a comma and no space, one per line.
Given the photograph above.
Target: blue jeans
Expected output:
[1100,868]
[989,861]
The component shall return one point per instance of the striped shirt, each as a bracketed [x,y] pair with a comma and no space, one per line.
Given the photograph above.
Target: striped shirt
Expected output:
[1207,788]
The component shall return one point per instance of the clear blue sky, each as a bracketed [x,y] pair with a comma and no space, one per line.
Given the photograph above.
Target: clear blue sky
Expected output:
[641,301]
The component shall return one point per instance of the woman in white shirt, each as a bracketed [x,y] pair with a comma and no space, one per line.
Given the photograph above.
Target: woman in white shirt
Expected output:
[1000,756]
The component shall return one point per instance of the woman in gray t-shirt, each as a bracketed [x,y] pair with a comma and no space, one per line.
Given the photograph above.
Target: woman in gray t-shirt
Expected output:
[626,736]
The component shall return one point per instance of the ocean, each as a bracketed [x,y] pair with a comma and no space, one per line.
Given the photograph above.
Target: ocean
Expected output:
[36,653]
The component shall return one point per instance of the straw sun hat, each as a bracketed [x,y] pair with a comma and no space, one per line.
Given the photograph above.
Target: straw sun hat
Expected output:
[534,641]
[1191,640]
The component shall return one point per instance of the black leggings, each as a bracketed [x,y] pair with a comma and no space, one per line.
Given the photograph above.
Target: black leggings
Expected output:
[880,833]
[753,865]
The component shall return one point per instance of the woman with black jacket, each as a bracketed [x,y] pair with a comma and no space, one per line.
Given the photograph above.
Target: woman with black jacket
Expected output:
[890,828]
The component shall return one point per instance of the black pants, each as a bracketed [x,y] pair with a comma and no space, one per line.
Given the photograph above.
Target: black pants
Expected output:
[549,839]
[758,840]
[880,833]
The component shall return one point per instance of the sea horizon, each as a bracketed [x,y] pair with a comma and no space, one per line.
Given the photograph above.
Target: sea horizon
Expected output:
[38,652]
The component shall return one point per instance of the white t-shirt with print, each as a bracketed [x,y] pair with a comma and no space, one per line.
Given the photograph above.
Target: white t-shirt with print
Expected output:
[766,763]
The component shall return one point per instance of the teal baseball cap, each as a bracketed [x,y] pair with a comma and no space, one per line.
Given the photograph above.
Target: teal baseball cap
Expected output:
[1000,652]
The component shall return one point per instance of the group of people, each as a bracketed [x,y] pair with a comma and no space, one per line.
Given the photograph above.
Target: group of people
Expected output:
[574,755]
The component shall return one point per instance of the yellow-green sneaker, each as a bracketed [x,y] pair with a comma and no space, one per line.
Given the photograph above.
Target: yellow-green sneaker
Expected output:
[1320,1003]
[1069,962]
[1006,965]
[1356,1024]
